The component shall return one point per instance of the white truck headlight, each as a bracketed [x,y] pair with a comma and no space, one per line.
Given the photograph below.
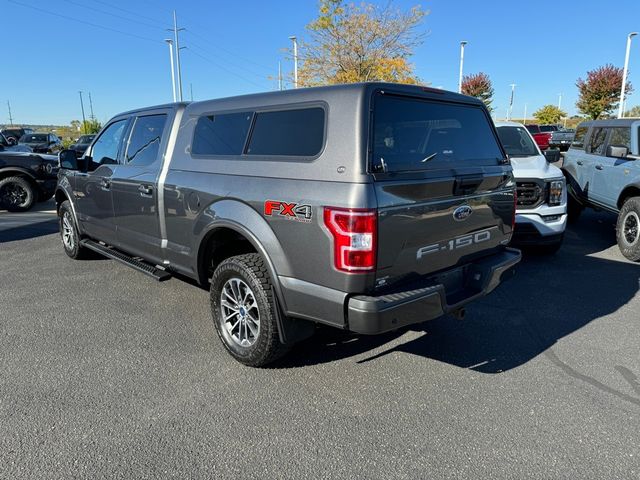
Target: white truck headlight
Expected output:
[556,187]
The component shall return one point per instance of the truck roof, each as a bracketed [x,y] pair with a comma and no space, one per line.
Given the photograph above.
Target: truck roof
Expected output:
[300,95]
[611,122]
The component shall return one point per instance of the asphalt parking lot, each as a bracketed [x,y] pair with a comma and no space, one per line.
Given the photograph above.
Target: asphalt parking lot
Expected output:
[107,374]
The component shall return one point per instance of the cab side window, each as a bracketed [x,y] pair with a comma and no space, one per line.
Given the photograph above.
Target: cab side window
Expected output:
[105,150]
[597,141]
[578,139]
[621,137]
[144,143]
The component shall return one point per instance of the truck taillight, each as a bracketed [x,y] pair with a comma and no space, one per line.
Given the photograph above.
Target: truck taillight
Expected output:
[354,233]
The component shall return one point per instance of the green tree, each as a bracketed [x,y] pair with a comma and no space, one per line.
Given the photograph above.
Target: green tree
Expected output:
[633,113]
[359,43]
[549,114]
[478,85]
[91,126]
[599,94]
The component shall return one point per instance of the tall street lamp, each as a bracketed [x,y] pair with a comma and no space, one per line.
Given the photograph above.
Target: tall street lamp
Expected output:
[624,74]
[513,88]
[462,44]
[295,61]
[173,76]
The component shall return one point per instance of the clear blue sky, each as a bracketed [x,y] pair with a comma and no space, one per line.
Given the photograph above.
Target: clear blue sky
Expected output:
[53,49]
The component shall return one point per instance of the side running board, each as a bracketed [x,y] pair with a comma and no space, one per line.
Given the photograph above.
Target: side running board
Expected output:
[140,265]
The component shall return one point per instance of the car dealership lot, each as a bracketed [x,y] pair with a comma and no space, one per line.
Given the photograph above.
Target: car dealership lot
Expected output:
[107,374]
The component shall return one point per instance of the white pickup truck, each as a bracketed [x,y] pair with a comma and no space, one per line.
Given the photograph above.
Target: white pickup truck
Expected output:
[541,213]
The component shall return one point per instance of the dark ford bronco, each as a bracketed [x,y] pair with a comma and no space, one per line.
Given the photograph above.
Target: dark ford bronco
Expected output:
[366,207]
[25,177]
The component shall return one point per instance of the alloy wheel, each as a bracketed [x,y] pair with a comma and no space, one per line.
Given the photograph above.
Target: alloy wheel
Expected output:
[13,195]
[240,314]
[67,231]
[631,228]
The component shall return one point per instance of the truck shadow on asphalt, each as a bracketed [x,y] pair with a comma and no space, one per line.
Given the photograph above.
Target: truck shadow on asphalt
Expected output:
[549,298]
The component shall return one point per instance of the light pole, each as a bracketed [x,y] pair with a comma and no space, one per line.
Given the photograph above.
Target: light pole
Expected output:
[295,60]
[513,89]
[462,45]
[524,120]
[559,100]
[84,120]
[173,78]
[624,74]
[176,41]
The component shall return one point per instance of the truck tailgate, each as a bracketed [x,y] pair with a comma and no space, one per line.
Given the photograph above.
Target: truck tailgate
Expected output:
[427,226]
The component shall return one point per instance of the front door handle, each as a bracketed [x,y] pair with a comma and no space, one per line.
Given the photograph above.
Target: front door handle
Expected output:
[580,162]
[145,190]
[105,184]
[599,167]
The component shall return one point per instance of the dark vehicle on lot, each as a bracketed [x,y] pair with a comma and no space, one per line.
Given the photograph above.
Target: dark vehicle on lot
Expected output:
[6,146]
[82,144]
[561,139]
[41,142]
[602,168]
[541,137]
[13,134]
[366,207]
[25,178]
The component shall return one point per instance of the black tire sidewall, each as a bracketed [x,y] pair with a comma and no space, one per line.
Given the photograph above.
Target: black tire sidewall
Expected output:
[235,267]
[630,252]
[27,187]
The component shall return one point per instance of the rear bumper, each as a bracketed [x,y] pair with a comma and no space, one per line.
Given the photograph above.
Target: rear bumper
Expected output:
[378,314]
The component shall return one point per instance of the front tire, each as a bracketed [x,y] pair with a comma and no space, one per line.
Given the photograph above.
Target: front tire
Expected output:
[69,233]
[628,229]
[574,209]
[17,194]
[243,310]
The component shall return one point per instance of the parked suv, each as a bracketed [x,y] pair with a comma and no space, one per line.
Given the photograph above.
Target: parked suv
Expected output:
[541,215]
[25,177]
[365,207]
[603,172]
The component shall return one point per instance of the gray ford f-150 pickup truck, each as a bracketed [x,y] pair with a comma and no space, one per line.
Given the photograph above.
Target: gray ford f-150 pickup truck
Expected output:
[366,207]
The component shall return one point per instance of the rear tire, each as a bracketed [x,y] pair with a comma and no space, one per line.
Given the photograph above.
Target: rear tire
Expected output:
[17,194]
[243,310]
[69,233]
[628,229]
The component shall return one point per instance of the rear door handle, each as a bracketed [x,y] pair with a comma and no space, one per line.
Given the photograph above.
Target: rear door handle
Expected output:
[599,167]
[145,190]
[105,184]
[580,162]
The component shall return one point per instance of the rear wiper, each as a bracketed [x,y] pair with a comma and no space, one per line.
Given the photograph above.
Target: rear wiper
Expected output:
[430,157]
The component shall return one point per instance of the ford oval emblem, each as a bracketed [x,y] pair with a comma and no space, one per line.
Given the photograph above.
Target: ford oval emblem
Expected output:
[462,213]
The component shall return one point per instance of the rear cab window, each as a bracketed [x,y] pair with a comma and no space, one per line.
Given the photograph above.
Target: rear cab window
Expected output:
[412,134]
[291,132]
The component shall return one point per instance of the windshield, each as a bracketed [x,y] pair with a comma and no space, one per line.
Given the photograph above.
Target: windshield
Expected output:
[34,138]
[517,142]
[414,134]
[85,139]
[548,128]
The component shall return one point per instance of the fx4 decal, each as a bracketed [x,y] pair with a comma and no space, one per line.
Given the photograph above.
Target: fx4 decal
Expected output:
[290,211]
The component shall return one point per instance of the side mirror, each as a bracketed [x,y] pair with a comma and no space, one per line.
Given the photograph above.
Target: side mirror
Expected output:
[617,151]
[69,159]
[552,155]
